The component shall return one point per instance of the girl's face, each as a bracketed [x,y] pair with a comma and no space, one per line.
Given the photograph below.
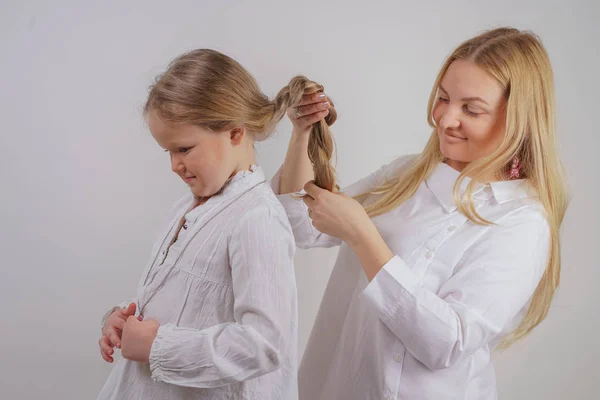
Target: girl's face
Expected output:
[203,159]
[469,113]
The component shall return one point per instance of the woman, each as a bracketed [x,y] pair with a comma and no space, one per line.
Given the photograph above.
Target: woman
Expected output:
[443,256]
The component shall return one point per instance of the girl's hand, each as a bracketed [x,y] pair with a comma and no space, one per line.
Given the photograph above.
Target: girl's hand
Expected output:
[111,332]
[137,339]
[312,108]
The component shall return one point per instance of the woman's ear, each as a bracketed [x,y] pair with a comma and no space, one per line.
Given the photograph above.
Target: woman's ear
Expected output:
[237,134]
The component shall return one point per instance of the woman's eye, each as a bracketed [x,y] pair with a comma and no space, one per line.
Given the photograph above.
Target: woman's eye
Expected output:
[184,149]
[443,99]
[471,112]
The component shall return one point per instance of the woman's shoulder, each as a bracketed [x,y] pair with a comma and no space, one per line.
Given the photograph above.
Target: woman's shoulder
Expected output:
[395,167]
[401,163]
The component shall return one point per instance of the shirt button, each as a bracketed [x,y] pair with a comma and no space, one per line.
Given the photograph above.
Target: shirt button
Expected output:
[398,358]
[487,189]
[451,228]
[428,254]
[184,226]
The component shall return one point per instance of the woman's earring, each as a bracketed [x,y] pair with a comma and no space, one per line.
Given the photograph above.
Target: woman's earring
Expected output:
[515,168]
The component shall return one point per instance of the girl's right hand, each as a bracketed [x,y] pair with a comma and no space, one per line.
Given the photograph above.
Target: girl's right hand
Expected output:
[111,332]
[312,108]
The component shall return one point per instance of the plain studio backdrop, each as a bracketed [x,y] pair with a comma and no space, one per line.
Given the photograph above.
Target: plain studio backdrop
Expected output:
[85,188]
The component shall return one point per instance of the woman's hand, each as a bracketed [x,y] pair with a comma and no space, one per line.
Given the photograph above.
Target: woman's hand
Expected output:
[312,108]
[338,215]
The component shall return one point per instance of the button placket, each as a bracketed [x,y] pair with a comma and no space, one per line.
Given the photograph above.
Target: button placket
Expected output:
[432,246]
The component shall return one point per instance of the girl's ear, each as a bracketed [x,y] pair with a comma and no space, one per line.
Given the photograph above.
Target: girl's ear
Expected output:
[237,134]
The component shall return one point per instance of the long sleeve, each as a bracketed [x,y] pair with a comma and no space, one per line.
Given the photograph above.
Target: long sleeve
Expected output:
[492,283]
[261,252]
[305,234]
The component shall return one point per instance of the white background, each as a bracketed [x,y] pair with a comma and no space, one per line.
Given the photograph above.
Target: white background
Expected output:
[84,188]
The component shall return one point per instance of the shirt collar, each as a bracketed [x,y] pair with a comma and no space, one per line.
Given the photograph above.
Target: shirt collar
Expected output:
[442,179]
[234,186]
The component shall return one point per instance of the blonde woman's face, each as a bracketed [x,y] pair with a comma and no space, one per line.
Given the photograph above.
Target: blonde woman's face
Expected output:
[469,114]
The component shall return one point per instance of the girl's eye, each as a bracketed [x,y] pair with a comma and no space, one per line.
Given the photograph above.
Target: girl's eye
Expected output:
[184,150]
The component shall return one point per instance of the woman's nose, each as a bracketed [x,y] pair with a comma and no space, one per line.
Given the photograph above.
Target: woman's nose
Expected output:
[449,120]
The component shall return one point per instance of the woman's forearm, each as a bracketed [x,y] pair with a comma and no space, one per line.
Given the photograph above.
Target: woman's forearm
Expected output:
[297,169]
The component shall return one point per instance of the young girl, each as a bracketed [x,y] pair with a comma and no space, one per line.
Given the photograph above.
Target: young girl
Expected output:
[218,298]
[445,255]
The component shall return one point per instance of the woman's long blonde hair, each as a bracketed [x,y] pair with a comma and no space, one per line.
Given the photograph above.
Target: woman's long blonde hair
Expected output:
[519,63]
[209,89]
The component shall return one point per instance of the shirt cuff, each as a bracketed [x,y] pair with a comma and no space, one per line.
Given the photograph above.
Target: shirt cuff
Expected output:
[390,285]
[156,351]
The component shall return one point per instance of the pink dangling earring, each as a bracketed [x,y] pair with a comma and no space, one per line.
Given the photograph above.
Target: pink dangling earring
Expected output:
[515,168]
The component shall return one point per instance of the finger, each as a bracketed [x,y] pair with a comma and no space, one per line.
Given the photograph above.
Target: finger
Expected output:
[313,190]
[105,345]
[309,201]
[311,119]
[106,357]
[317,97]
[311,109]
[118,325]
[130,321]
[114,338]
[130,310]
[105,349]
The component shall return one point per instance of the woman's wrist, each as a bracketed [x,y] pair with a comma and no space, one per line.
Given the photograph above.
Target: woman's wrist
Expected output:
[371,250]
[300,136]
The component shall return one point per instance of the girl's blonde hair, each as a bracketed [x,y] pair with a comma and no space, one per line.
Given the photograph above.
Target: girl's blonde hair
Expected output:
[209,89]
[519,63]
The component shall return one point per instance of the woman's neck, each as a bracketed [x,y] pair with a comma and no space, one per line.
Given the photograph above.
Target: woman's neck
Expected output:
[460,166]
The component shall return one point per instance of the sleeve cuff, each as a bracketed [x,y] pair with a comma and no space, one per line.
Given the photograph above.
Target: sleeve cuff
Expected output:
[156,352]
[390,285]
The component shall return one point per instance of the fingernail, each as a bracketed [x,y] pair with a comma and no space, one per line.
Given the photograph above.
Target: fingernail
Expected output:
[322,96]
[325,105]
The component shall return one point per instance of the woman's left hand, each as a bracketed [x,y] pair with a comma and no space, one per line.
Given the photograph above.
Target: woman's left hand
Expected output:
[337,215]
[137,339]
